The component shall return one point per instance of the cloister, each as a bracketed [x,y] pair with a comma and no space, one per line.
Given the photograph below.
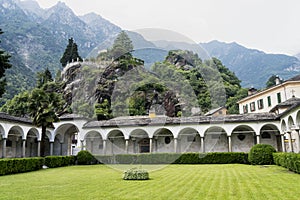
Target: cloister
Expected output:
[142,134]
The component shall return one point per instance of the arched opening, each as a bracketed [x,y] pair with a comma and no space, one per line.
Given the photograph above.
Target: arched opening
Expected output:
[139,142]
[215,140]
[189,140]
[32,143]
[115,143]
[243,138]
[290,123]
[14,143]
[269,134]
[94,142]
[163,140]
[69,143]
[58,145]
[2,135]
[298,119]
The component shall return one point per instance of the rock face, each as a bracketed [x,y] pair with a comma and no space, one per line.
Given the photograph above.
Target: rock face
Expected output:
[36,38]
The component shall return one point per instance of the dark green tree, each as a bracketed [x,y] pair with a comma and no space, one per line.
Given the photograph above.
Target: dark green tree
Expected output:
[43,78]
[4,65]
[70,54]
[271,81]
[122,46]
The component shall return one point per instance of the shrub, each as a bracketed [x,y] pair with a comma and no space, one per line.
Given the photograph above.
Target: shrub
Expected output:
[261,154]
[19,165]
[59,161]
[175,158]
[291,161]
[136,174]
[85,158]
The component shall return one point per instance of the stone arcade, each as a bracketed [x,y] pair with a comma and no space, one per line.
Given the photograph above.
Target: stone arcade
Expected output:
[229,133]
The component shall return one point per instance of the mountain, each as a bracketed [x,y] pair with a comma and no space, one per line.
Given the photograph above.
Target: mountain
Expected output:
[253,67]
[36,38]
[298,56]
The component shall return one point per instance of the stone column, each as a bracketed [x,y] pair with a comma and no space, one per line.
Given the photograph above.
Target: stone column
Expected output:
[38,148]
[61,149]
[229,143]
[282,142]
[202,144]
[175,145]
[290,142]
[126,146]
[51,148]
[104,147]
[258,139]
[150,145]
[92,146]
[82,145]
[4,148]
[23,148]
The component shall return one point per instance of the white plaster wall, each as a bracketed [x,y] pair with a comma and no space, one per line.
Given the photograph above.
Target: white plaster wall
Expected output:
[189,146]
[213,144]
[244,145]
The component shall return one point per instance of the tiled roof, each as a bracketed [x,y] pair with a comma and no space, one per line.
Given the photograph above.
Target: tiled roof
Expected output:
[7,117]
[145,120]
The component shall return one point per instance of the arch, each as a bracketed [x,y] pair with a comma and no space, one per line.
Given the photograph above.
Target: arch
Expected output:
[163,140]
[94,142]
[115,142]
[14,142]
[139,141]
[290,123]
[270,134]
[32,143]
[283,126]
[69,142]
[298,118]
[2,132]
[189,140]
[215,139]
[243,137]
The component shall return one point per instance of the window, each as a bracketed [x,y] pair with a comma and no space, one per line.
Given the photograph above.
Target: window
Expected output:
[278,97]
[252,106]
[269,101]
[245,108]
[167,140]
[260,104]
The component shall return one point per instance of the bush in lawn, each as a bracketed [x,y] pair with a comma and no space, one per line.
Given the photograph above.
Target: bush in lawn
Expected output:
[85,158]
[261,154]
[136,174]
[291,161]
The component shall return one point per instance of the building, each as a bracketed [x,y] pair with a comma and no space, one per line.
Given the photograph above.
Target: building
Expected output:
[266,100]
[274,119]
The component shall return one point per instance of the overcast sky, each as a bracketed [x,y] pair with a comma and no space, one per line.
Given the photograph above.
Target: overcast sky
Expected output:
[269,25]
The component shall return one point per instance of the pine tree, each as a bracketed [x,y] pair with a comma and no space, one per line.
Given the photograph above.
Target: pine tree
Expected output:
[4,64]
[122,46]
[70,54]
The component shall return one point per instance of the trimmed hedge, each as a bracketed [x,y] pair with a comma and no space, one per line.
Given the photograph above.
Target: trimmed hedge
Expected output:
[136,174]
[59,161]
[175,158]
[261,154]
[20,165]
[291,161]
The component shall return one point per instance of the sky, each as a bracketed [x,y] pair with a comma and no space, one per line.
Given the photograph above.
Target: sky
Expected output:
[272,26]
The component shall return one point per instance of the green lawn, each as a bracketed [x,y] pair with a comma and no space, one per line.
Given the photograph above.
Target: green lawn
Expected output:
[171,182]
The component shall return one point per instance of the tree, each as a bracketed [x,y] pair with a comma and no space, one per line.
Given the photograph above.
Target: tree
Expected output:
[43,108]
[271,81]
[43,78]
[70,54]
[4,65]
[122,46]
[43,104]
